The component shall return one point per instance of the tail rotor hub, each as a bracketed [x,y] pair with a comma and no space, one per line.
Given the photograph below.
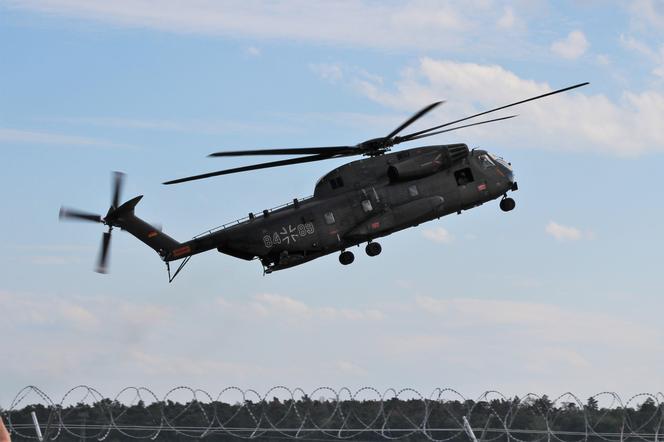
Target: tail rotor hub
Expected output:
[75,214]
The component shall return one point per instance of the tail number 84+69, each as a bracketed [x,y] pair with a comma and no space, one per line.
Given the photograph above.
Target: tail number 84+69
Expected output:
[287,234]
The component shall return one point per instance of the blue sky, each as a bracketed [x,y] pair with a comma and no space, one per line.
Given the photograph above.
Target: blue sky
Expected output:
[564,293]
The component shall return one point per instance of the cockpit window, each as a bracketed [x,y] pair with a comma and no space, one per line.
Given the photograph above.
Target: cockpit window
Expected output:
[503,162]
[485,161]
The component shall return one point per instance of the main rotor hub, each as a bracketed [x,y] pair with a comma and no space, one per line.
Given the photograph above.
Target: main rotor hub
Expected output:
[376,146]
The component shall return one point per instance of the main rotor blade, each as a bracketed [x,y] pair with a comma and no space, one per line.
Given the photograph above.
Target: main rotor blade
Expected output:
[414,118]
[288,151]
[66,213]
[103,253]
[415,134]
[460,127]
[118,179]
[306,159]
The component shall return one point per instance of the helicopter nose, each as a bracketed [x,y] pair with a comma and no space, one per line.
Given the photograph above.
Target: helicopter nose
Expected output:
[504,169]
[509,173]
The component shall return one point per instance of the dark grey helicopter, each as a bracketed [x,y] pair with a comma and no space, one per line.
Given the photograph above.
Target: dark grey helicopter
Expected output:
[353,204]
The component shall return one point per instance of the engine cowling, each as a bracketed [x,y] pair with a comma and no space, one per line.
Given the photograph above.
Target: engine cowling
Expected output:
[427,163]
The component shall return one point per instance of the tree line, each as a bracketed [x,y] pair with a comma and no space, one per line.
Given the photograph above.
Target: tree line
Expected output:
[531,420]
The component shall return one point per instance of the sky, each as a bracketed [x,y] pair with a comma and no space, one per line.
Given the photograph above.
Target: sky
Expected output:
[561,294]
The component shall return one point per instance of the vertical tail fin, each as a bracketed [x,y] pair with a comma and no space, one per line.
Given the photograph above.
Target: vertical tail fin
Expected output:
[125,218]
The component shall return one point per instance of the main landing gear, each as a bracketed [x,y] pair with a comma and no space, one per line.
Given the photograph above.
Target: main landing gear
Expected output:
[507,204]
[346,257]
[373,249]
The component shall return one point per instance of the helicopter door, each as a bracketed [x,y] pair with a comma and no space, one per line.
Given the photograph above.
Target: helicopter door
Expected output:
[370,202]
[465,181]
[308,232]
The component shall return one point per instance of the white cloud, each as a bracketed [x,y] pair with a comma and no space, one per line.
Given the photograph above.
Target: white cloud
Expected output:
[546,322]
[53,248]
[367,122]
[289,309]
[51,260]
[143,314]
[561,232]
[77,313]
[636,45]
[327,71]
[108,342]
[572,47]
[8,135]
[576,120]
[508,19]
[525,282]
[512,342]
[196,126]
[410,344]
[252,51]
[659,71]
[603,59]
[565,233]
[648,12]
[654,56]
[438,234]
[414,24]
[349,368]
[80,316]
[167,364]
[282,305]
[469,311]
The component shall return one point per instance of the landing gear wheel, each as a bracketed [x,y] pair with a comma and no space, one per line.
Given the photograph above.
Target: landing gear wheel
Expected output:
[507,204]
[373,249]
[346,257]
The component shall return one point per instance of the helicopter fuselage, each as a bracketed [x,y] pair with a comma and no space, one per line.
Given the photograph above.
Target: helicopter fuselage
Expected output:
[353,204]
[359,202]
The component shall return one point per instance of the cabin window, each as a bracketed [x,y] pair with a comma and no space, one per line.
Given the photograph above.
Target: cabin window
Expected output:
[329,218]
[464,176]
[366,206]
[336,182]
[412,190]
[403,155]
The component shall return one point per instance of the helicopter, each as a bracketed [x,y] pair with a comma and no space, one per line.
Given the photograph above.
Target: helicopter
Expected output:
[353,204]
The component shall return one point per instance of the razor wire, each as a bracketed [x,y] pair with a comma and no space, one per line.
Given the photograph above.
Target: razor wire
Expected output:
[83,413]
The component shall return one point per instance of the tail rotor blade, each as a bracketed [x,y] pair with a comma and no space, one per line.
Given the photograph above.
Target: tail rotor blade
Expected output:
[110,219]
[102,265]
[67,213]
[118,181]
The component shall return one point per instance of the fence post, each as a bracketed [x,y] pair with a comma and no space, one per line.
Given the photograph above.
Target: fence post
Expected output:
[469,431]
[35,422]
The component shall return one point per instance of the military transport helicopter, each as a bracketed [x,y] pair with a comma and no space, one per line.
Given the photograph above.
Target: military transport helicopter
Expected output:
[353,204]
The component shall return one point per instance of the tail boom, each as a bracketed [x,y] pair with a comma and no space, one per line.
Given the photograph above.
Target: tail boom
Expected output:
[125,218]
[168,248]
